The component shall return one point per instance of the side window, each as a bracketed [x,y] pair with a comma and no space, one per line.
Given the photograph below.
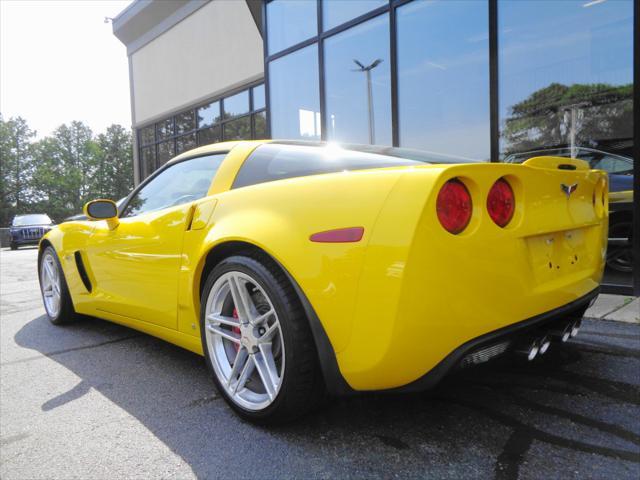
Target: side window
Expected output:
[183,182]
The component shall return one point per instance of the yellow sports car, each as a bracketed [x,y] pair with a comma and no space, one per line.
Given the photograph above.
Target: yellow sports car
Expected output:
[299,268]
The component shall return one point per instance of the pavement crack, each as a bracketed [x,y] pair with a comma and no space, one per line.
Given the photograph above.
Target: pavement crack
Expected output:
[72,349]
[542,436]
[508,464]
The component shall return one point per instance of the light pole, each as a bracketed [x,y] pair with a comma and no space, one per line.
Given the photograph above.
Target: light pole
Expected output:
[367,71]
[573,127]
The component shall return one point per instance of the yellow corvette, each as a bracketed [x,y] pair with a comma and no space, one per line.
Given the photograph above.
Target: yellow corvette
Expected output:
[298,268]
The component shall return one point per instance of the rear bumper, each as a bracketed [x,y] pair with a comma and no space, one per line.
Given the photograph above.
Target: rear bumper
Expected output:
[510,335]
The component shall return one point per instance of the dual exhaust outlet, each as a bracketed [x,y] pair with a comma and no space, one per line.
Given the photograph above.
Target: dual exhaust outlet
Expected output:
[540,345]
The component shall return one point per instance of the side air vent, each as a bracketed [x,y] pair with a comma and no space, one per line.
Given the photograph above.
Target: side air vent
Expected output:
[82,271]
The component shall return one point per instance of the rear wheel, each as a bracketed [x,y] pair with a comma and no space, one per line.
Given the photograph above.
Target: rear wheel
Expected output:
[53,286]
[257,341]
[14,246]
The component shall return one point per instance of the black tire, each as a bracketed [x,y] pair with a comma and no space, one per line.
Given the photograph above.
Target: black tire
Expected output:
[302,384]
[66,313]
[13,246]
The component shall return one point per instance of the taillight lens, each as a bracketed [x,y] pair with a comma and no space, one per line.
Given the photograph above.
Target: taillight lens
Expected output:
[501,202]
[454,206]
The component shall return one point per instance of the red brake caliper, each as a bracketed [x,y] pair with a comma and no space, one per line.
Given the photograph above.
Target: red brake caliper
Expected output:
[235,329]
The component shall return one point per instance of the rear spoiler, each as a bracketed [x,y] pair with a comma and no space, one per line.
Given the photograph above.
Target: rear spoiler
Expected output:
[560,163]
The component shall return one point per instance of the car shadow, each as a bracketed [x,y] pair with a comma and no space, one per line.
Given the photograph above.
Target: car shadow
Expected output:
[476,423]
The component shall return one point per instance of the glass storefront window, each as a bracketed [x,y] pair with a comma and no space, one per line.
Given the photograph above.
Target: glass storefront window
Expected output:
[258,97]
[236,105]
[574,86]
[164,129]
[186,142]
[290,22]
[336,12]
[147,135]
[358,84]
[443,77]
[185,122]
[209,135]
[566,88]
[260,125]
[208,115]
[294,95]
[166,151]
[239,129]
[148,160]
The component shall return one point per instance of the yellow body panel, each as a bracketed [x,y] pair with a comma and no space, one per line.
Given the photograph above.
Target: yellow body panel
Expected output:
[392,305]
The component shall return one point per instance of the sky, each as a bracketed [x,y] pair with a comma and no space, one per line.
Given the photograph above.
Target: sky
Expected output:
[60,62]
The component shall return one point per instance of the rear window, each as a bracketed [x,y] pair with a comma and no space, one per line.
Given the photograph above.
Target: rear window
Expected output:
[275,161]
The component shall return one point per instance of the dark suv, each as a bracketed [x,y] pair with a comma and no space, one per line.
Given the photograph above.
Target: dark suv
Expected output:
[28,229]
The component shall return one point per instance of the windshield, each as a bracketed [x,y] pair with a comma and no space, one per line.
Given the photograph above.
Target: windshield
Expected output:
[36,219]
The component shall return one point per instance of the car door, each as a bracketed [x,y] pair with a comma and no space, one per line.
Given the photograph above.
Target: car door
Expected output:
[136,264]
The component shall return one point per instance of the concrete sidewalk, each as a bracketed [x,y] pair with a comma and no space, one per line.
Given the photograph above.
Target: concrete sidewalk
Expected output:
[620,308]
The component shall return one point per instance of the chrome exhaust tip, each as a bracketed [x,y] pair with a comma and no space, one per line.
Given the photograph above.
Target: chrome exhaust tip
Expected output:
[530,351]
[563,333]
[544,343]
[575,328]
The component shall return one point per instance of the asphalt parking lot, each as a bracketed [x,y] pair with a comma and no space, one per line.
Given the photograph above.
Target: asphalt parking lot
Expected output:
[96,400]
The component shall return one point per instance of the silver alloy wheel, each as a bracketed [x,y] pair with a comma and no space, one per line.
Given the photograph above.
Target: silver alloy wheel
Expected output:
[244,340]
[50,285]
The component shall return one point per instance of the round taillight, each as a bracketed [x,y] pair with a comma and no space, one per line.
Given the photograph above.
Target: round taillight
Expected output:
[501,202]
[454,206]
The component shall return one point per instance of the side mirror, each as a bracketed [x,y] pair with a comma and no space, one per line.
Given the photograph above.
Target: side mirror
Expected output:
[102,210]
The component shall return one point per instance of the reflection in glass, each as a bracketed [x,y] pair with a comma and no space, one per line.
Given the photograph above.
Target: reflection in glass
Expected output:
[443,77]
[258,97]
[239,129]
[209,135]
[164,129]
[572,91]
[237,104]
[148,160]
[166,151]
[336,12]
[186,142]
[290,22]
[358,84]
[294,93]
[147,135]
[260,125]
[208,115]
[571,88]
[185,122]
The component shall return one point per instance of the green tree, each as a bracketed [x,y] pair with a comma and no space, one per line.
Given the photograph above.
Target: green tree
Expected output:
[114,174]
[16,166]
[66,164]
[543,118]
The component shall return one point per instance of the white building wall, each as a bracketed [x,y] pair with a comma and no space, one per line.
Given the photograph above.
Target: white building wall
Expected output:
[213,50]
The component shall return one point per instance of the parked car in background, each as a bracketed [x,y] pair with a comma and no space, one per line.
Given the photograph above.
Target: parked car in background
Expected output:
[296,267]
[620,170]
[28,229]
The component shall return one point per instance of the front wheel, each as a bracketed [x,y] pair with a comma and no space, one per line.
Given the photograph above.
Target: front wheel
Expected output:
[53,286]
[257,341]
